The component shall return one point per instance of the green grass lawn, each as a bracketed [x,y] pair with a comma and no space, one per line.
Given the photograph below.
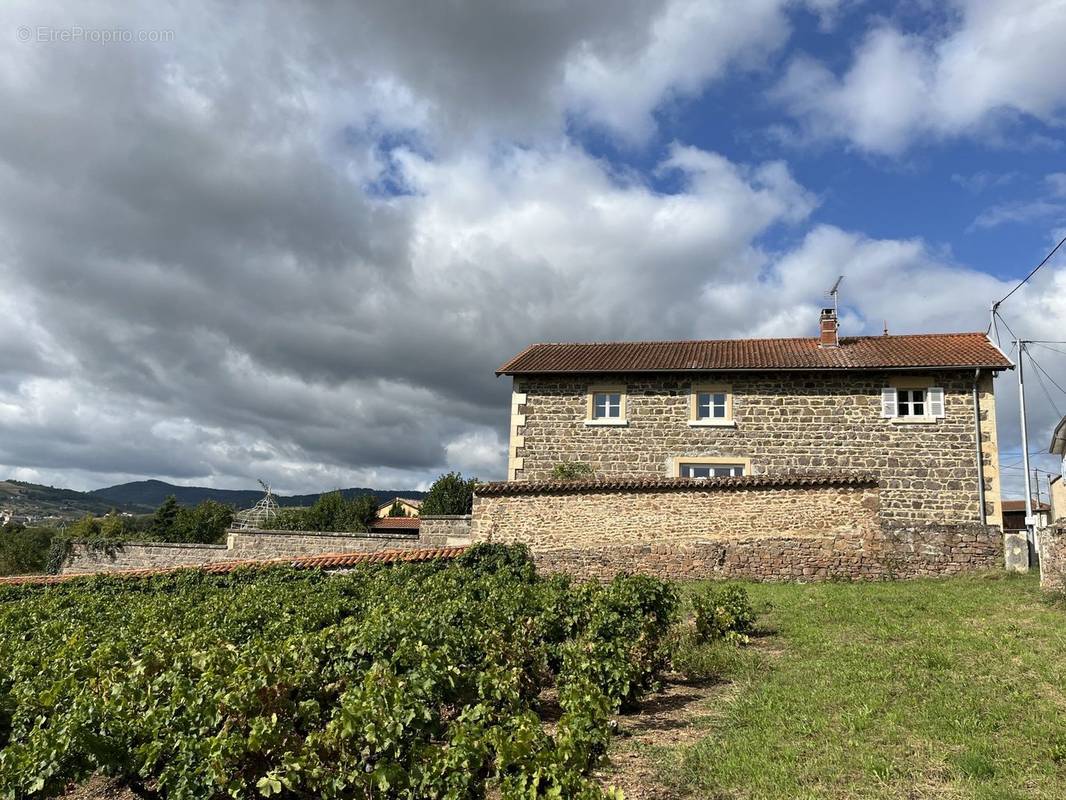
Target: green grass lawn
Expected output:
[917,689]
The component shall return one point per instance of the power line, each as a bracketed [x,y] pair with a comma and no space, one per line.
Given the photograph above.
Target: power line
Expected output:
[1047,258]
[1040,380]
[1053,381]
[1052,349]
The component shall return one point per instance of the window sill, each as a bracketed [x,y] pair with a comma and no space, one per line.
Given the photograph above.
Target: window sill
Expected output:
[607,423]
[712,423]
[913,420]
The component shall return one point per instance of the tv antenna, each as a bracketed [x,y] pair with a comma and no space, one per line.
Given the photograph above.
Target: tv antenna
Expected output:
[261,515]
[834,292]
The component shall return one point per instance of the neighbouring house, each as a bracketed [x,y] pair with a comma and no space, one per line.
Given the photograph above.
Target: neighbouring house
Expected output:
[1014,515]
[410,506]
[914,412]
[1058,483]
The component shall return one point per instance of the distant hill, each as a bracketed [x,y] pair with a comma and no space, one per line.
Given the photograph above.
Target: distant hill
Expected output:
[142,497]
[151,493]
[37,501]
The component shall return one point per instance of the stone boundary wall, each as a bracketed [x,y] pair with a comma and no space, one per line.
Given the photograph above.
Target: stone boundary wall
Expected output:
[557,515]
[1052,540]
[444,531]
[142,555]
[786,528]
[926,551]
[241,545]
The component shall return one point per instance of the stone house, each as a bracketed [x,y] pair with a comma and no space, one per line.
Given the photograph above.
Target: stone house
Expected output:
[913,413]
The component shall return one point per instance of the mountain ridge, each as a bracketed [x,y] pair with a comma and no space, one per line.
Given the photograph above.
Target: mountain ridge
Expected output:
[142,497]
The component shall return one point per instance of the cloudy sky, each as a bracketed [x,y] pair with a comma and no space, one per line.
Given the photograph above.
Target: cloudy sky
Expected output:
[293,241]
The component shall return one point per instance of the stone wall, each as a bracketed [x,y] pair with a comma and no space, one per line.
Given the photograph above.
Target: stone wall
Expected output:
[137,555]
[241,545]
[444,531]
[563,515]
[762,527]
[784,422]
[278,544]
[1052,540]
[922,551]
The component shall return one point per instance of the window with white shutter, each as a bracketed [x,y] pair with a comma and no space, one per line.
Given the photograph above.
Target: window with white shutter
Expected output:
[888,402]
[935,397]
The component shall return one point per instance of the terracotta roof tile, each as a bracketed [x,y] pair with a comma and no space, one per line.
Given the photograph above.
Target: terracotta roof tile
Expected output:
[921,351]
[318,561]
[658,484]
[403,523]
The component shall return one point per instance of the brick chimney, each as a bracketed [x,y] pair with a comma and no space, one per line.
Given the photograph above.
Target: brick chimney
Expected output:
[828,334]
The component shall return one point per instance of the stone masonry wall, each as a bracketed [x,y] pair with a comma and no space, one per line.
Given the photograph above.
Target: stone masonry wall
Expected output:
[444,531]
[760,528]
[1052,540]
[136,555]
[784,422]
[241,545]
[626,517]
[922,551]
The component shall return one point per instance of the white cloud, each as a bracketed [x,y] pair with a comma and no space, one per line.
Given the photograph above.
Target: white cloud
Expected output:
[997,61]
[297,251]
[690,44]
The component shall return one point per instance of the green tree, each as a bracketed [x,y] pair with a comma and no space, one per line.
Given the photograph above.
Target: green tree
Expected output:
[24,550]
[163,523]
[364,510]
[449,494]
[397,509]
[206,523]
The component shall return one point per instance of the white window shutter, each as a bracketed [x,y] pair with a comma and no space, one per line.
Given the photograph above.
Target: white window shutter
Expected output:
[936,402]
[888,402]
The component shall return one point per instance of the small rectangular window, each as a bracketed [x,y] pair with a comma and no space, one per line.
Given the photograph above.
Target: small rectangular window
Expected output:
[910,402]
[710,405]
[711,470]
[607,405]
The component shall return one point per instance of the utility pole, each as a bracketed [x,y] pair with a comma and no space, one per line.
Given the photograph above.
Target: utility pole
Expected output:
[1030,535]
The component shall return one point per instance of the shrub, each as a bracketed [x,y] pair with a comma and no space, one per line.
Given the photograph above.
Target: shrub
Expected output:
[723,613]
[485,557]
[571,471]
[449,495]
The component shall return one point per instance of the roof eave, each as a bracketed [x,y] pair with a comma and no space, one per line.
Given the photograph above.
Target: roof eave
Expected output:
[1058,439]
[912,368]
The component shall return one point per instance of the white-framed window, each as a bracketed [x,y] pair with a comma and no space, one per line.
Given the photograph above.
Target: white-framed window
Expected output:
[606,405]
[710,470]
[911,403]
[711,405]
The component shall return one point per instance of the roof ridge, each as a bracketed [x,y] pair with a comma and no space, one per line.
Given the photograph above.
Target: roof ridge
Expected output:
[878,336]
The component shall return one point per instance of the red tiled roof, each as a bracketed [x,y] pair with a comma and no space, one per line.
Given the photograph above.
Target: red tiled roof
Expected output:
[917,351]
[320,561]
[392,523]
[1019,505]
[658,484]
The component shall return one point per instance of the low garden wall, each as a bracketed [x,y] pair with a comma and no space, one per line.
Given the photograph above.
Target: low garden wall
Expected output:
[241,545]
[444,531]
[1052,542]
[800,527]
